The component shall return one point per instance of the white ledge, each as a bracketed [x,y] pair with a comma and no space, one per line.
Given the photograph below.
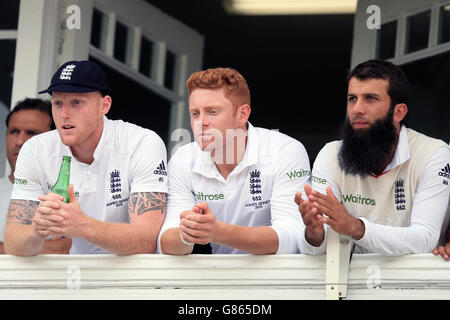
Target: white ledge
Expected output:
[210,277]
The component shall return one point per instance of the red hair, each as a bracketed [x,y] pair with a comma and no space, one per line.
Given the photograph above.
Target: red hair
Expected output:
[233,83]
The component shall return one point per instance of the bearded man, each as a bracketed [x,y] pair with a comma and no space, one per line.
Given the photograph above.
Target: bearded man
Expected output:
[384,185]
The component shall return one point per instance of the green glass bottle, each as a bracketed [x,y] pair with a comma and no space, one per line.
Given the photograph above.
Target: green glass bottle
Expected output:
[62,184]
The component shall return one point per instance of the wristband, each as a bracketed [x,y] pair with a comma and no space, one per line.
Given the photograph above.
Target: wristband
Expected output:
[185,242]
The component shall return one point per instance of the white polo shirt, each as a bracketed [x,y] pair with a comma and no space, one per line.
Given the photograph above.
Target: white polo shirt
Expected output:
[259,191]
[427,213]
[128,159]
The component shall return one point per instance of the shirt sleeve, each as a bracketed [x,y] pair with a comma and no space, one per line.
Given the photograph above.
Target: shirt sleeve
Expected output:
[427,215]
[149,172]
[292,172]
[27,182]
[321,178]
[180,195]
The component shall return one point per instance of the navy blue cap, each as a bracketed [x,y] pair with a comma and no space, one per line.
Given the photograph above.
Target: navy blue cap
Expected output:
[79,76]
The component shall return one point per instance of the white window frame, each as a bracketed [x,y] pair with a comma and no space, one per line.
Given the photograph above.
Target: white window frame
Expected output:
[365,40]
[167,34]
[44,43]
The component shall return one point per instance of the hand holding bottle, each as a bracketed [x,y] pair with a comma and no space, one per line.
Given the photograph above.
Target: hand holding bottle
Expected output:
[60,218]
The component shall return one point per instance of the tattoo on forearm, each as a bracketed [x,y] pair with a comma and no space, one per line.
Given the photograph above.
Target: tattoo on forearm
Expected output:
[142,202]
[21,211]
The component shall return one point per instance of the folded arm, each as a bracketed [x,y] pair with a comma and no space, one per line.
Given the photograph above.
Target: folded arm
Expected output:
[146,214]
[21,237]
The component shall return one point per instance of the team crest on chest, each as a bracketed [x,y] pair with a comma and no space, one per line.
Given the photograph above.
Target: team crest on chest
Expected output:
[255,182]
[115,184]
[256,197]
[399,194]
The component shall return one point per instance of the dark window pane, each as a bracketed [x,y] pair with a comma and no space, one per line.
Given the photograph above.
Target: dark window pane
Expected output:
[134,103]
[120,42]
[428,106]
[444,24]
[386,40]
[169,75]
[417,31]
[8,50]
[146,57]
[97,28]
[9,14]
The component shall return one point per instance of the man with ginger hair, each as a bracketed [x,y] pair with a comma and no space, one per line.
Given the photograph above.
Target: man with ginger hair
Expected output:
[234,186]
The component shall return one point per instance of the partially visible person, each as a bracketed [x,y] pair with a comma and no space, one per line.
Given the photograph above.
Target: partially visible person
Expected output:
[233,187]
[28,118]
[117,191]
[382,184]
[443,248]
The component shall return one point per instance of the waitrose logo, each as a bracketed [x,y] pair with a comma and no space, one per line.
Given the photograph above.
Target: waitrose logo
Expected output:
[200,196]
[298,174]
[358,199]
[20,181]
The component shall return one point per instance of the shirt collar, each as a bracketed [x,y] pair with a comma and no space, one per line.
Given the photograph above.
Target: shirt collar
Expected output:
[107,125]
[401,154]
[106,133]
[204,164]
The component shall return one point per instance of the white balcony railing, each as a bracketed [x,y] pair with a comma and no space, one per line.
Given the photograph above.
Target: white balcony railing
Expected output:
[210,277]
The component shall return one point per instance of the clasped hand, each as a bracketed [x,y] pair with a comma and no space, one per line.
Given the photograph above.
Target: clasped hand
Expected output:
[55,217]
[198,225]
[320,209]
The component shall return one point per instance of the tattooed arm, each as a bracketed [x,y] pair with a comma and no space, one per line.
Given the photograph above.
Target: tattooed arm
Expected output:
[21,237]
[146,212]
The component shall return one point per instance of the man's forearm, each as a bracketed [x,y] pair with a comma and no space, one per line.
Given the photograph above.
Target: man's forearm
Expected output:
[171,243]
[120,238]
[22,240]
[59,246]
[254,240]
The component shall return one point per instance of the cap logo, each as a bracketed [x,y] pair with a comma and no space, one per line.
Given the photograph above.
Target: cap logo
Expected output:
[67,72]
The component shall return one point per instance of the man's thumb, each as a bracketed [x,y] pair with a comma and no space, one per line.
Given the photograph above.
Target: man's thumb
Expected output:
[203,206]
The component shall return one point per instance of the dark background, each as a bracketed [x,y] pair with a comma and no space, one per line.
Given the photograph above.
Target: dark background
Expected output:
[295,65]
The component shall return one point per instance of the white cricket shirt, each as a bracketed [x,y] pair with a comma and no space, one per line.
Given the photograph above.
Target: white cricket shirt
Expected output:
[259,191]
[427,213]
[128,159]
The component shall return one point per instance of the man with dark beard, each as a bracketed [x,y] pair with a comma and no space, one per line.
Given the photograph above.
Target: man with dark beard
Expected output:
[383,185]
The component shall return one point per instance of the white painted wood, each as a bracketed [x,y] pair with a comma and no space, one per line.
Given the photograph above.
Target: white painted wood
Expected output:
[110,33]
[135,52]
[166,33]
[140,78]
[208,277]
[35,58]
[74,43]
[164,277]
[8,34]
[332,269]
[338,259]
[159,63]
